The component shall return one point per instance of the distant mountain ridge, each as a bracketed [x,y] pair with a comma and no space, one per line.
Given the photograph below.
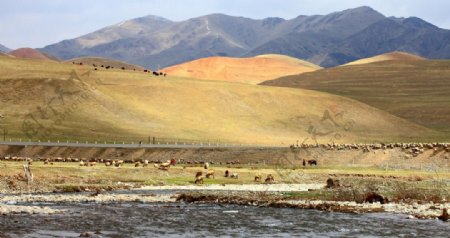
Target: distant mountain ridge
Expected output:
[4,49]
[326,40]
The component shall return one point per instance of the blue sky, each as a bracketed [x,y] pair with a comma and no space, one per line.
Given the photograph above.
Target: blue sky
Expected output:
[31,23]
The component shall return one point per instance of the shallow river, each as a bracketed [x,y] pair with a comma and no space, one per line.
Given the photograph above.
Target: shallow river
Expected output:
[192,220]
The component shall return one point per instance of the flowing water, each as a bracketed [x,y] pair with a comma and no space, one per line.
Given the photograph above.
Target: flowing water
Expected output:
[206,220]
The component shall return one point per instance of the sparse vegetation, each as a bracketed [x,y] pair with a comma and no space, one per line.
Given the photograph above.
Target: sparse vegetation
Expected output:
[416,90]
[113,105]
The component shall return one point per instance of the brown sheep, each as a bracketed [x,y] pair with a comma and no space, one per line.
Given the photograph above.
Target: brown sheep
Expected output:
[136,164]
[227,173]
[269,179]
[258,178]
[198,180]
[210,174]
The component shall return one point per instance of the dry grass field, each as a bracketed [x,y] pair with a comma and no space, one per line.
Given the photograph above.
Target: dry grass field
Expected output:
[416,90]
[90,61]
[70,177]
[59,101]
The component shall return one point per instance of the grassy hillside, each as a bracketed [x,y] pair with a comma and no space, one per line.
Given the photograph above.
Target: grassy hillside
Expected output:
[54,100]
[417,90]
[396,55]
[243,70]
[89,61]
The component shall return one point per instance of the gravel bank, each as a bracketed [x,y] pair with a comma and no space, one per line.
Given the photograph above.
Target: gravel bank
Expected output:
[240,187]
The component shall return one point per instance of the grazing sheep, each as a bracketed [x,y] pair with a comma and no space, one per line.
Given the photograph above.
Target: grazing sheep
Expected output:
[312,162]
[198,174]
[165,165]
[198,180]
[107,164]
[92,164]
[206,165]
[258,178]
[269,179]
[136,164]
[81,163]
[234,175]
[227,173]
[118,163]
[210,174]
[47,161]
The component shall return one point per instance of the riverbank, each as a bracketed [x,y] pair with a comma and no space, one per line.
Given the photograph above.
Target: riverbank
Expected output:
[260,196]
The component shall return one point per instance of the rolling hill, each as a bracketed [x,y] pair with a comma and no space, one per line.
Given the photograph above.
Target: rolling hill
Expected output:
[326,40]
[28,53]
[243,70]
[5,55]
[417,90]
[397,55]
[105,62]
[58,100]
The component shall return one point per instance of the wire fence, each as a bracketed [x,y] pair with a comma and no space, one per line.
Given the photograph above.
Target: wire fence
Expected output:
[129,140]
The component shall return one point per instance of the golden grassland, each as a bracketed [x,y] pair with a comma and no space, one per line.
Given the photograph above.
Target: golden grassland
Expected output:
[99,61]
[416,90]
[75,102]
[396,55]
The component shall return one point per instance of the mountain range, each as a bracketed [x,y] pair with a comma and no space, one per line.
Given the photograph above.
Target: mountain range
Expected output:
[326,40]
[4,49]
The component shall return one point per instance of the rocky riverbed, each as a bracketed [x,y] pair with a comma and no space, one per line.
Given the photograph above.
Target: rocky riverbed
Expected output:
[266,196]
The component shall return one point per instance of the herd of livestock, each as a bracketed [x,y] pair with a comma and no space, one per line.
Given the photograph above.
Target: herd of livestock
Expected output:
[83,162]
[414,149]
[97,67]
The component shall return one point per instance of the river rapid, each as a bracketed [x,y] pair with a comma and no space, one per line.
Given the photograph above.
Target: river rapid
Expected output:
[136,219]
